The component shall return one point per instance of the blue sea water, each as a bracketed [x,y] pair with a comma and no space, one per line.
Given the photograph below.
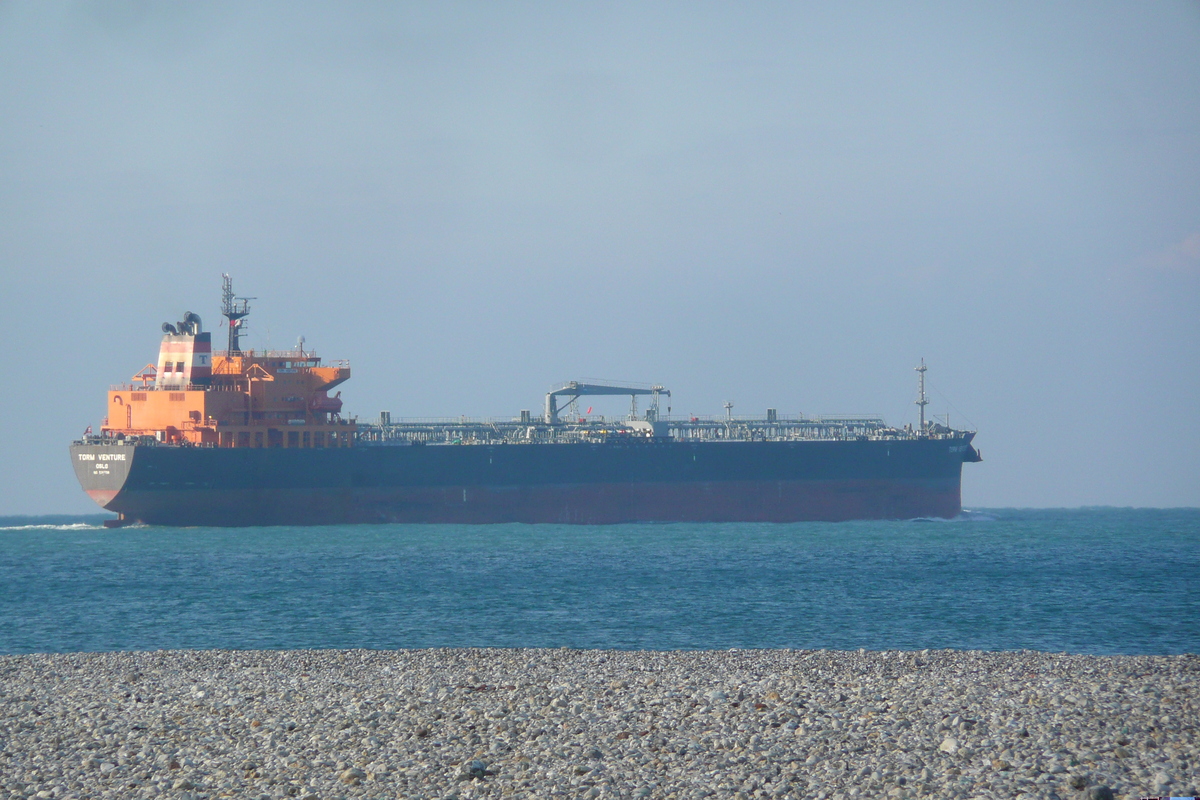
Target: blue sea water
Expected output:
[1101,581]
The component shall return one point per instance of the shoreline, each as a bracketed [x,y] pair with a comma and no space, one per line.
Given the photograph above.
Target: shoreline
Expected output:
[442,723]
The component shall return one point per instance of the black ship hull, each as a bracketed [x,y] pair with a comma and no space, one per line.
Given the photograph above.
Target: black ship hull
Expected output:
[603,483]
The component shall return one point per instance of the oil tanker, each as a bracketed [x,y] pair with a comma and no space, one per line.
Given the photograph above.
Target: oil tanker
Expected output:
[242,437]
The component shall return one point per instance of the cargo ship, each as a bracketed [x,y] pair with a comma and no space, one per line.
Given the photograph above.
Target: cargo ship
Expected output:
[239,437]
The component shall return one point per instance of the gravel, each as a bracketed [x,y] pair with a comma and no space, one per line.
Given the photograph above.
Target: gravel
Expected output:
[588,723]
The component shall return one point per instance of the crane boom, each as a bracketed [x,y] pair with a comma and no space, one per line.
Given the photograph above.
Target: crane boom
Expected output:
[576,389]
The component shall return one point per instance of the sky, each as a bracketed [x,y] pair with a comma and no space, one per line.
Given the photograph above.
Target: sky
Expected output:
[781,205]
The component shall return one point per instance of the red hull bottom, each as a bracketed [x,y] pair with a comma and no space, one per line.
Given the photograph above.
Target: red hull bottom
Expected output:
[587,504]
[103,497]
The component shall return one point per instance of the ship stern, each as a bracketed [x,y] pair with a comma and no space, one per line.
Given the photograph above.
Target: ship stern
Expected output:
[102,468]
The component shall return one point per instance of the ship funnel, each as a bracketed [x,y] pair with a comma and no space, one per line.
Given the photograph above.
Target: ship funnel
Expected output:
[185,356]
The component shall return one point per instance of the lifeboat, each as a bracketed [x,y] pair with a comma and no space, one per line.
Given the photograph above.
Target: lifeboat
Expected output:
[328,405]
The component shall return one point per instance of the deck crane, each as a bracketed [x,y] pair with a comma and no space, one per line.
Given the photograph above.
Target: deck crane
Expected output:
[574,390]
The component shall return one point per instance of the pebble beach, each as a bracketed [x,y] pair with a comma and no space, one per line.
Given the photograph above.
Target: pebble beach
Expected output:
[464,723]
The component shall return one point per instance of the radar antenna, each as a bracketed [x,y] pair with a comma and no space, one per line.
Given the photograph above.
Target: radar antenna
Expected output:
[921,401]
[233,308]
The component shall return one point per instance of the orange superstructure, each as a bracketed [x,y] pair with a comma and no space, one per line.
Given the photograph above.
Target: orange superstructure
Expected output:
[231,398]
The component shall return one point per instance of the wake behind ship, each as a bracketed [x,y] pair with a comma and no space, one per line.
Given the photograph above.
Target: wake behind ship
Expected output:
[233,438]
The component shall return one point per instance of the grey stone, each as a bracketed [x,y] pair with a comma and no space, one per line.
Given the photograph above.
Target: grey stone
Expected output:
[684,724]
[352,776]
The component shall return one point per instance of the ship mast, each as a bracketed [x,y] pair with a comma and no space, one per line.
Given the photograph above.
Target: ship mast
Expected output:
[233,308]
[921,401]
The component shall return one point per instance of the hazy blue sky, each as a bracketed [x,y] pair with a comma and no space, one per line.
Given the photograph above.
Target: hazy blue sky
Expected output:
[782,205]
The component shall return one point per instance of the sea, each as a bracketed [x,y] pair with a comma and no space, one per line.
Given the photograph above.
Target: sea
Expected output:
[1095,580]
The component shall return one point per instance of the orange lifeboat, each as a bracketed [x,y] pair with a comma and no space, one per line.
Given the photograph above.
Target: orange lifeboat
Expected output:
[321,404]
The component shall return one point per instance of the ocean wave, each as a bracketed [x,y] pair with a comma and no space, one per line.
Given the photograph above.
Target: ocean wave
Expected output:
[965,516]
[74,526]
